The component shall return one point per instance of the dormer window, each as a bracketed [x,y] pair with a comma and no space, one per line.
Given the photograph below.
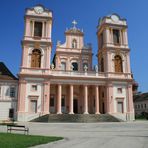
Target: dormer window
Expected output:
[74,43]
[38,29]
[116,36]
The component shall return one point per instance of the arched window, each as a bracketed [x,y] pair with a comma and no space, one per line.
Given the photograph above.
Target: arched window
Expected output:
[74,43]
[36,58]
[118,63]
[102,65]
[75,66]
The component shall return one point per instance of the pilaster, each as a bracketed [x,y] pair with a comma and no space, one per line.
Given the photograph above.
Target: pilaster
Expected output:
[46,98]
[21,96]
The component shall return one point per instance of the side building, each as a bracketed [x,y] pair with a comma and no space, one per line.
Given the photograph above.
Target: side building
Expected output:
[70,85]
[141,103]
[8,94]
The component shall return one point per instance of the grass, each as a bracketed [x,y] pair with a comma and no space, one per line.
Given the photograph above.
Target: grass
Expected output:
[8,140]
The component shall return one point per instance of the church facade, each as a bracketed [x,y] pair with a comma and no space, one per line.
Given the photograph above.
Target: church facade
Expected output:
[70,84]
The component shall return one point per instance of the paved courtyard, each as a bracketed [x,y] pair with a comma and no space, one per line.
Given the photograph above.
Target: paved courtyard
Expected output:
[92,135]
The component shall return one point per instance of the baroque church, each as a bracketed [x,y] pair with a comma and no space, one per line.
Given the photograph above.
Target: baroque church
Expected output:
[70,84]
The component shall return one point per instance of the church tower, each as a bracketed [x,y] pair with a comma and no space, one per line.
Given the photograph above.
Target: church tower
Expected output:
[113,53]
[35,65]
[37,41]
[114,61]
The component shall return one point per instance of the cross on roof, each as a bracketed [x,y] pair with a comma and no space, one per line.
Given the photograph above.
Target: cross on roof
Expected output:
[74,23]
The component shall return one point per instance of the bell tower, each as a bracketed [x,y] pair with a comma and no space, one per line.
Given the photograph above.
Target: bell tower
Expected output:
[114,61]
[113,49]
[34,86]
[37,42]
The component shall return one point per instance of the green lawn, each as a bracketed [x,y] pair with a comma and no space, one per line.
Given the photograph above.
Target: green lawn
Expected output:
[8,140]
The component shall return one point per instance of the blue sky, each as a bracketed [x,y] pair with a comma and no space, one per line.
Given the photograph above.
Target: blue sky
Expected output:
[86,13]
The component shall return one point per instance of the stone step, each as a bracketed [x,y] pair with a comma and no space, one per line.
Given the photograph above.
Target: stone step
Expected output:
[82,118]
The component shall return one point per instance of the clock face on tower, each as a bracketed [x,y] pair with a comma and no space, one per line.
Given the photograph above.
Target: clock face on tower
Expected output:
[39,9]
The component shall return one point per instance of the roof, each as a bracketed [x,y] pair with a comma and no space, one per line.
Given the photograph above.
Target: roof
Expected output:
[74,31]
[141,97]
[5,73]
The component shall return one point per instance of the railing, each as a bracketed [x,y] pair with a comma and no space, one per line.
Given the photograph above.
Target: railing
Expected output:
[91,74]
[88,74]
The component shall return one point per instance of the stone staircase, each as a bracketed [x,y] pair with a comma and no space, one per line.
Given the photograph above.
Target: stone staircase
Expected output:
[80,118]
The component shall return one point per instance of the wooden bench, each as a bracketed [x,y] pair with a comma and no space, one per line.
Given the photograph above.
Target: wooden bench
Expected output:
[17,128]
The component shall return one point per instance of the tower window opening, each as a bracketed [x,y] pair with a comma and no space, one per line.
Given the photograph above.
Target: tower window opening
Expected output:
[101,40]
[38,29]
[116,36]
[102,65]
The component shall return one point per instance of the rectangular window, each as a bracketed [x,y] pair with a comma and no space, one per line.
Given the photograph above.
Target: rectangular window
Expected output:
[12,92]
[120,107]
[116,36]
[119,90]
[34,87]
[51,101]
[145,105]
[33,106]
[141,105]
[38,29]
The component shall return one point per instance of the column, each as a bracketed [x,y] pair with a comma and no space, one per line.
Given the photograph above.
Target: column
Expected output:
[59,99]
[71,100]
[46,100]
[97,100]
[85,99]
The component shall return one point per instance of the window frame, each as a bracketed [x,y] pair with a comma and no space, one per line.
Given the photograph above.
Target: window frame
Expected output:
[12,91]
